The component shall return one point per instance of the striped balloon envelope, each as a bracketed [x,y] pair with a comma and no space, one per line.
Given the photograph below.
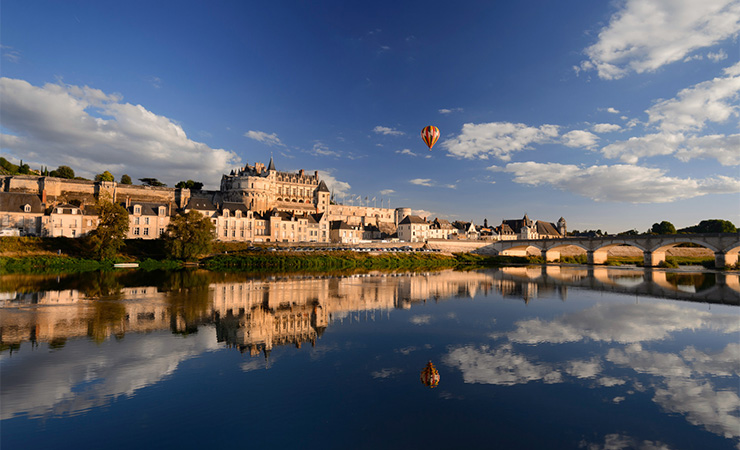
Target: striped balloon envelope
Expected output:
[430,134]
[430,375]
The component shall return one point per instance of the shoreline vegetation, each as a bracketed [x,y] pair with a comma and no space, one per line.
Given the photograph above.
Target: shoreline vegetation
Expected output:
[65,255]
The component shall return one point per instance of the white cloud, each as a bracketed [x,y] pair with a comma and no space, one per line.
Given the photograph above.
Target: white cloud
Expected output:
[261,136]
[584,369]
[605,128]
[579,138]
[92,131]
[422,182]
[631,150]
[612,110]
[334,185]
[717,57]
[709,101]
[386,373]
[320,149]
[406,151]
[616,441]
[386,131]
[725,149]
[644,35]
[421,213]
[387,192]
[449,111]
[10,53]
[497,139]
[620,183]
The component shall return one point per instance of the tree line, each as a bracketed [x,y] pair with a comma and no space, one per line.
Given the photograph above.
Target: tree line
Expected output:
[665,227]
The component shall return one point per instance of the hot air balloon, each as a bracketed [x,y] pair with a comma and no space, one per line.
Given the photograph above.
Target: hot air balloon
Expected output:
[430,134]
[430,376]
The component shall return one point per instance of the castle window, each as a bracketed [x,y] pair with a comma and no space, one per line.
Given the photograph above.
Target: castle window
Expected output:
[161,210]
[27,208]
[226,213]
[137,209]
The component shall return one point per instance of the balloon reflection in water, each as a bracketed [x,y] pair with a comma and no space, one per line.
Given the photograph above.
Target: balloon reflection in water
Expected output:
[430,376]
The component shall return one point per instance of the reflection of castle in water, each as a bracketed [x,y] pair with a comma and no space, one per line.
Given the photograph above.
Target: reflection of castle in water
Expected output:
[256,315]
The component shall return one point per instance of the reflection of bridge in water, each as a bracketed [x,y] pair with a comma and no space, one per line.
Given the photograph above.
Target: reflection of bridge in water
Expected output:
[713,287]
[255,315]
[725,246]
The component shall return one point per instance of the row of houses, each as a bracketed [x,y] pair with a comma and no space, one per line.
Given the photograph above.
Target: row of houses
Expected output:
[416,229]
[23,214]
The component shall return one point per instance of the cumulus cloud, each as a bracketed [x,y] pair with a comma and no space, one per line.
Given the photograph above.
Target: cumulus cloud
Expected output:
[645,35]
[91,131]
[579,138]
[612,110]
[709,101]
[718,56]
[450,111]
[320,149]
[631,150]
[428,182]
[334,185]
[605,128]
[387,192]
[620,183]
[387,131]
[722,148]
[497,139]
[265,138]
[406,151]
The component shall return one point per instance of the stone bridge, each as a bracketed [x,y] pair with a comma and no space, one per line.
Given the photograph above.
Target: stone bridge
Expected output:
[724,245]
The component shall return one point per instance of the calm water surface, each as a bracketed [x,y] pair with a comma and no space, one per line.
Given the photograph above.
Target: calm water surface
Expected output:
[528,357]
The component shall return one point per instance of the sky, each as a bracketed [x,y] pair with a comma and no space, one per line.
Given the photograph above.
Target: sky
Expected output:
[614,115]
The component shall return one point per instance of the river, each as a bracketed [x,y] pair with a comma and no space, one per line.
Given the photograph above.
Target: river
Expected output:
[527,357]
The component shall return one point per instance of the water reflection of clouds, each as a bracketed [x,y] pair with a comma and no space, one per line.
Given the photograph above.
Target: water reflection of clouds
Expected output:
[623,323]
[683,382]
[617,441]
[423,319]
[76,381]
[386,373]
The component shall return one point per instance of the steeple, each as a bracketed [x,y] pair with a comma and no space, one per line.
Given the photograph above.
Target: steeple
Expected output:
[271,166]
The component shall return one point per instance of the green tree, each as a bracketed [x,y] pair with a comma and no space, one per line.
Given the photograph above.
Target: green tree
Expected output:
[663,227]
[108,237]
[190,184]
[125,179]
[188,236]
[105,176]
[152,182]
[63,172]
[712,226]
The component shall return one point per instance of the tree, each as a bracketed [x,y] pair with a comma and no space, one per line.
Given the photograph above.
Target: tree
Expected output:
[190,184]
[188,236]
[663,227]
[711,226]
[125,179]
[105,176]
[63,172]
[108,237]
[152,182]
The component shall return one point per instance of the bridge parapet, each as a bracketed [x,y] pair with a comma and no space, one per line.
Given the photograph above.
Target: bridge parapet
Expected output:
[724,245]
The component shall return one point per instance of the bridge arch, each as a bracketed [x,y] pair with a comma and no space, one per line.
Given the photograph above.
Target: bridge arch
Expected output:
[655,255]
[599,254]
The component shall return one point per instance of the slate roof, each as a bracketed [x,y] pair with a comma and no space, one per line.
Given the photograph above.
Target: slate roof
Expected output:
[546,228]
[234,206]
[412,220]
[200,204]
[147,209]
[322,187]
[15,202]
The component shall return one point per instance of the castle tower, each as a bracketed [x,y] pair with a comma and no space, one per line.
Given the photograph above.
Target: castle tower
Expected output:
[562,227]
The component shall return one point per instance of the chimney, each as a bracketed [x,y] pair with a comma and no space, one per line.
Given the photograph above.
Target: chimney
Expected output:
[43,196]
[128,202]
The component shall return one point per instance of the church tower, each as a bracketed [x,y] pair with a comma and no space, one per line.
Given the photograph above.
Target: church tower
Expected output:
[562,227]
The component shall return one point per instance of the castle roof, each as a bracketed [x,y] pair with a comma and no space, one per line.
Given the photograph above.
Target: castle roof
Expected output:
[147,208]
[200,204]
[271,166]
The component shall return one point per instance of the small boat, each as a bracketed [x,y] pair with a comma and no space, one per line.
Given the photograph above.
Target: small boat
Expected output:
[125,265]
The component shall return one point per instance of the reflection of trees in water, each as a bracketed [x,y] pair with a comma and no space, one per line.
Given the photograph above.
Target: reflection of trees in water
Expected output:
[106,316]
[700,281]
[187,299]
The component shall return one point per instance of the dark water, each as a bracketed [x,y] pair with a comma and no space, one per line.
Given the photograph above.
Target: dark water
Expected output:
[528,358]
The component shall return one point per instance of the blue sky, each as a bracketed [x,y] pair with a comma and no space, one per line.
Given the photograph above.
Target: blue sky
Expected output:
[614,115]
